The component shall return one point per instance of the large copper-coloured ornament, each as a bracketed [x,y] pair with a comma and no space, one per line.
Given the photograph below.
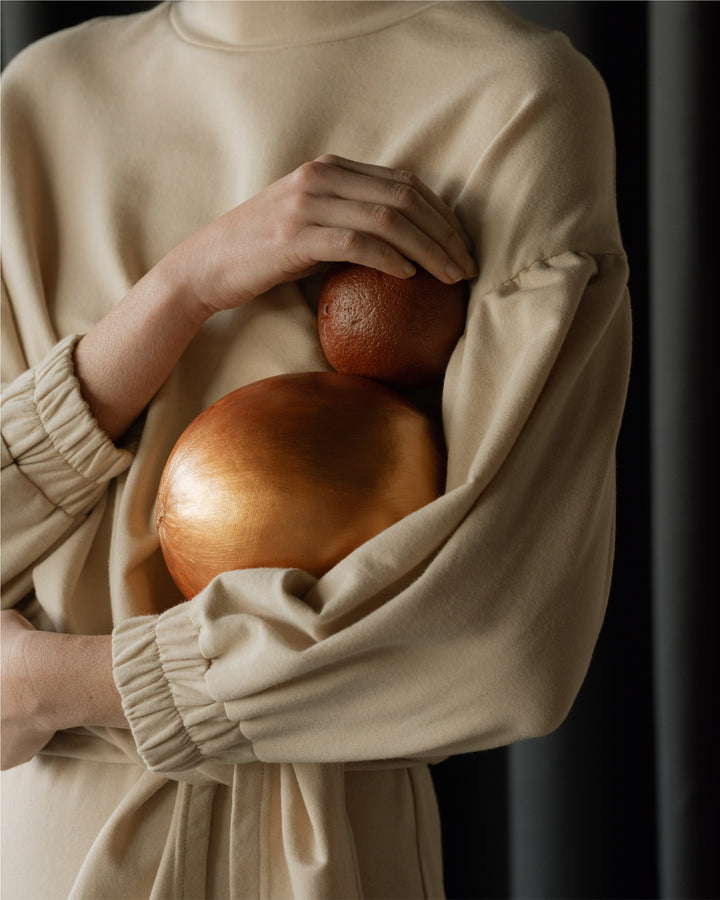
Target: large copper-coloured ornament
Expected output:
[293,471]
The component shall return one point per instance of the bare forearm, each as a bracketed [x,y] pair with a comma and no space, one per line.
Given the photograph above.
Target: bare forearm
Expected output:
[328,210]
[73,681]
[123,360]
[52,682]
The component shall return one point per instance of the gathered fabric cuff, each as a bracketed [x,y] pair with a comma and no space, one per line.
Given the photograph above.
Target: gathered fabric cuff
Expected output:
[160,673]
[53,437]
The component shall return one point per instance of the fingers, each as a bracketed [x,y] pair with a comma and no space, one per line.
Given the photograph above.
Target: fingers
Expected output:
[340,244]
[394,207]
[401,177]
[432,243]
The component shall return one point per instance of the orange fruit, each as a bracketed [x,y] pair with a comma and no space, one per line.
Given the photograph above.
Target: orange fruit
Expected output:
[398,331]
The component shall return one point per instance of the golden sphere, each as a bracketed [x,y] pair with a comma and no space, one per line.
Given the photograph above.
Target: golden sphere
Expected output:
[293,471]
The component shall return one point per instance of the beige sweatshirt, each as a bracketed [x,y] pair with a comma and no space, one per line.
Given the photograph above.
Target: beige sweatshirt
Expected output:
[281,725]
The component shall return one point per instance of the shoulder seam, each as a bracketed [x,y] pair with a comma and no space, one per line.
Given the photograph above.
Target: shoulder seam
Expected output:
[546,259]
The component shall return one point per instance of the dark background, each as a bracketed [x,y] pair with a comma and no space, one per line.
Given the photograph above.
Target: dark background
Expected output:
[623,800]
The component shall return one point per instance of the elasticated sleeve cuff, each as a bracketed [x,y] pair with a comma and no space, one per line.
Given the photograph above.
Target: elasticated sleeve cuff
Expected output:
[53,437]
[160,673]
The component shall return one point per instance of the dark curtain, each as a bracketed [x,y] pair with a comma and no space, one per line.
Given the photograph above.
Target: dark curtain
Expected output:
[622,801]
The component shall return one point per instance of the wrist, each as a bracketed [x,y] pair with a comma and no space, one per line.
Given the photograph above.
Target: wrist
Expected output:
[125,358]
[204,276]
[171,281]
[71,680]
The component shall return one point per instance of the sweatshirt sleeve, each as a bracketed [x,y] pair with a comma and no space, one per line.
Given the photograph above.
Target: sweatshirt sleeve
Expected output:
[56,461]
[56,464]
[470,623]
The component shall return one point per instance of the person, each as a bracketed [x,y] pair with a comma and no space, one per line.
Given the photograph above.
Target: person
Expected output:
[174,183]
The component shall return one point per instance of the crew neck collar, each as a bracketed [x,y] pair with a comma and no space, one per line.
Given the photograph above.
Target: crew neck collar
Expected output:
[273,24]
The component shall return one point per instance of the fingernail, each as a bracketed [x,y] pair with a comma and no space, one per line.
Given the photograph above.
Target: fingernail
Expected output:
[408,269]
[453,272]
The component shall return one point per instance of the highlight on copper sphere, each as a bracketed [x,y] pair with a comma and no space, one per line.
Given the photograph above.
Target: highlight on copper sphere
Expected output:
[293,471]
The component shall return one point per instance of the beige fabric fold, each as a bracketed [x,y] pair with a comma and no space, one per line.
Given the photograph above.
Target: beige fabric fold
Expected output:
[127,860]
[299,810]
[272,636]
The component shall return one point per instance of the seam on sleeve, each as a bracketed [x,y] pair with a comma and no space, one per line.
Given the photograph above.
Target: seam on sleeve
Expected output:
[548,259]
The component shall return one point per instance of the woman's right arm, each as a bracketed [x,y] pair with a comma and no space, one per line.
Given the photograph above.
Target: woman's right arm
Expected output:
[330,209]
[327,210]
[63,418]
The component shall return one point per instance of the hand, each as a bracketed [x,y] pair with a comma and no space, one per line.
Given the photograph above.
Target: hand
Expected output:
[51,682]
[24,730]
[327,210]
